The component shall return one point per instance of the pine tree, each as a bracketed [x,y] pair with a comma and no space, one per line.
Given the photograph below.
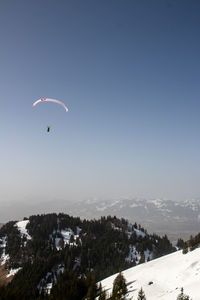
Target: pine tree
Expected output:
[181,296]
[102,296]
[142,259]
[119,288]
[191,243]
[141,295]
[185,248]
[101,293]
[92,289]
[180,243]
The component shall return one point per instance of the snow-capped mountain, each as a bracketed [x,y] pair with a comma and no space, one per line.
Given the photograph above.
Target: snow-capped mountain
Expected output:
[163,278]
[176,219]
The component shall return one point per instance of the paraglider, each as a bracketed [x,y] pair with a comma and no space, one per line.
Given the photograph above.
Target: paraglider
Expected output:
[50,100]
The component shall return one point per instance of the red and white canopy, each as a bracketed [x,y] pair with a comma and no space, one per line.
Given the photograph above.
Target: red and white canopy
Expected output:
[50,100]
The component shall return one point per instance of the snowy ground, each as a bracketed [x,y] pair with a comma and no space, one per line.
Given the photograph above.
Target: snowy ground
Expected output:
[66,235]
[162,278]
[4,257]
[12,272]
[21,226]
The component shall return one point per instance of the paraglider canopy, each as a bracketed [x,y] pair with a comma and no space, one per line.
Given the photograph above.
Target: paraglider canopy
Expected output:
[50,100]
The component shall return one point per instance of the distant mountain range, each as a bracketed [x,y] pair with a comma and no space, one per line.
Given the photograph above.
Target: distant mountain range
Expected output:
[176,219]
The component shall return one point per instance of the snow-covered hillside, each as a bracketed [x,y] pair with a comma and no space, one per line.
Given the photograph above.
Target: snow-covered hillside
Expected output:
[163,278]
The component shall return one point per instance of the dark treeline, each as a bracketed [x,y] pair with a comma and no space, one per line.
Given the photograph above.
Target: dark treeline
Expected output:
[191,244]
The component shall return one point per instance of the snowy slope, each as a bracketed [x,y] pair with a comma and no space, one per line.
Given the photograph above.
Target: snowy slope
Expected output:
[162,278]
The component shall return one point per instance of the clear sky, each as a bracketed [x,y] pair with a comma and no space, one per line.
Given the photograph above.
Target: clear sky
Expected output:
[129,73]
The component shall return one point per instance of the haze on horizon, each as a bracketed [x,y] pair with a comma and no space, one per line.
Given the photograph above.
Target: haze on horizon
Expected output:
[129,73]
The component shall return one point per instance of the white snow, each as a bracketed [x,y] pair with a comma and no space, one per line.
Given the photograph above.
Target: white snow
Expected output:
[49,287]
[158,203]
[167,274]
[148,255]
[130,230]
[78,230]
[66,235]
[139,232]
[12,272]
[4,257]
[3,242]
[134,205]
[60,269]
[46,287]
[21,225]
[101,208]
[57,241]
[193,204]
[133,254]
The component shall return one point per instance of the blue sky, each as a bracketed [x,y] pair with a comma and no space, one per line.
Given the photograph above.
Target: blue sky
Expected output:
[129,73]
